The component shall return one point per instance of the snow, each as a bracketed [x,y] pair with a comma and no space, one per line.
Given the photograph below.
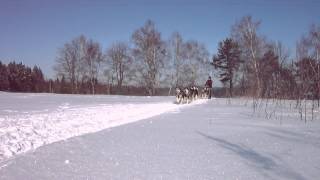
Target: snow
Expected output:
[211,139]
[21,131]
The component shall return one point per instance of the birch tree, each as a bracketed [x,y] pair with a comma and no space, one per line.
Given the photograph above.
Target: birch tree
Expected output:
[119,57]
[195,63]
[149,52]
[173,65]
[78,61]
[69,62]
[252,45]
[92,59]
[309,48]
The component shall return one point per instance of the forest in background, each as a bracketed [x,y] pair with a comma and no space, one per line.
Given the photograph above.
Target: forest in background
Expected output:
[247,63]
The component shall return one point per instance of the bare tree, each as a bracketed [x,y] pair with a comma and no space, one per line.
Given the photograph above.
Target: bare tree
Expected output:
[108,73]
[187,63]
[309,47]
[281,52]
[120,59]
[173,65]
[92,59]
[69,62]
[195,68]
[149,51]
[284,79]
[252,45]
[79,61]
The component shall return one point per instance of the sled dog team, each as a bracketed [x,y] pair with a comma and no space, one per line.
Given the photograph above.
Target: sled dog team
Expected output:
[189,94]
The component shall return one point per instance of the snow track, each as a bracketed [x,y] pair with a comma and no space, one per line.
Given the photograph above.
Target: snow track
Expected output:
[21,132]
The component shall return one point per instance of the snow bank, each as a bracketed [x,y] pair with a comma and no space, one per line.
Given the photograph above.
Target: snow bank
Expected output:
[22,132]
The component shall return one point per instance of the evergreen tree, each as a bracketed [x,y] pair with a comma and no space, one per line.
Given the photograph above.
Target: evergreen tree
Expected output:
[4,81]
[227,61]
[26,78]
[14,81]
[38,81]
[270,74]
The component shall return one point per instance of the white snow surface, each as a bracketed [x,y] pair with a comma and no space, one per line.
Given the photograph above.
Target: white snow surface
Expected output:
[29,121]
[212,139]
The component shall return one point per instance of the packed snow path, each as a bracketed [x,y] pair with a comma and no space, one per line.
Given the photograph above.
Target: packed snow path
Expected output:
[213,140]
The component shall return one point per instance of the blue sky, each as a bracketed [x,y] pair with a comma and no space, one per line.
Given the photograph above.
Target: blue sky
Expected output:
[32,31]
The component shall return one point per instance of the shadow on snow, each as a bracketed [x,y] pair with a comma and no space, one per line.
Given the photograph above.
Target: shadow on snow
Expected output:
[263,164]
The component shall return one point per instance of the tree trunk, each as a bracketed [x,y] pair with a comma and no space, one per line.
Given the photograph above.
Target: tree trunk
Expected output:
[230,87]
[92,86]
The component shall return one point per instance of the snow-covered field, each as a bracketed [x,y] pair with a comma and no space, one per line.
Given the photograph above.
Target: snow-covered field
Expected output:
[29,121]
[207,139]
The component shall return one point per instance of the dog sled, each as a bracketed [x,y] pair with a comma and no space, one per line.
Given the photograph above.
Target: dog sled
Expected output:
[189,94]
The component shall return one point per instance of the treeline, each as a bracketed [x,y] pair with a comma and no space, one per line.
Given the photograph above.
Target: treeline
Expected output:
[248,64]
[149,62]
[17,77]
